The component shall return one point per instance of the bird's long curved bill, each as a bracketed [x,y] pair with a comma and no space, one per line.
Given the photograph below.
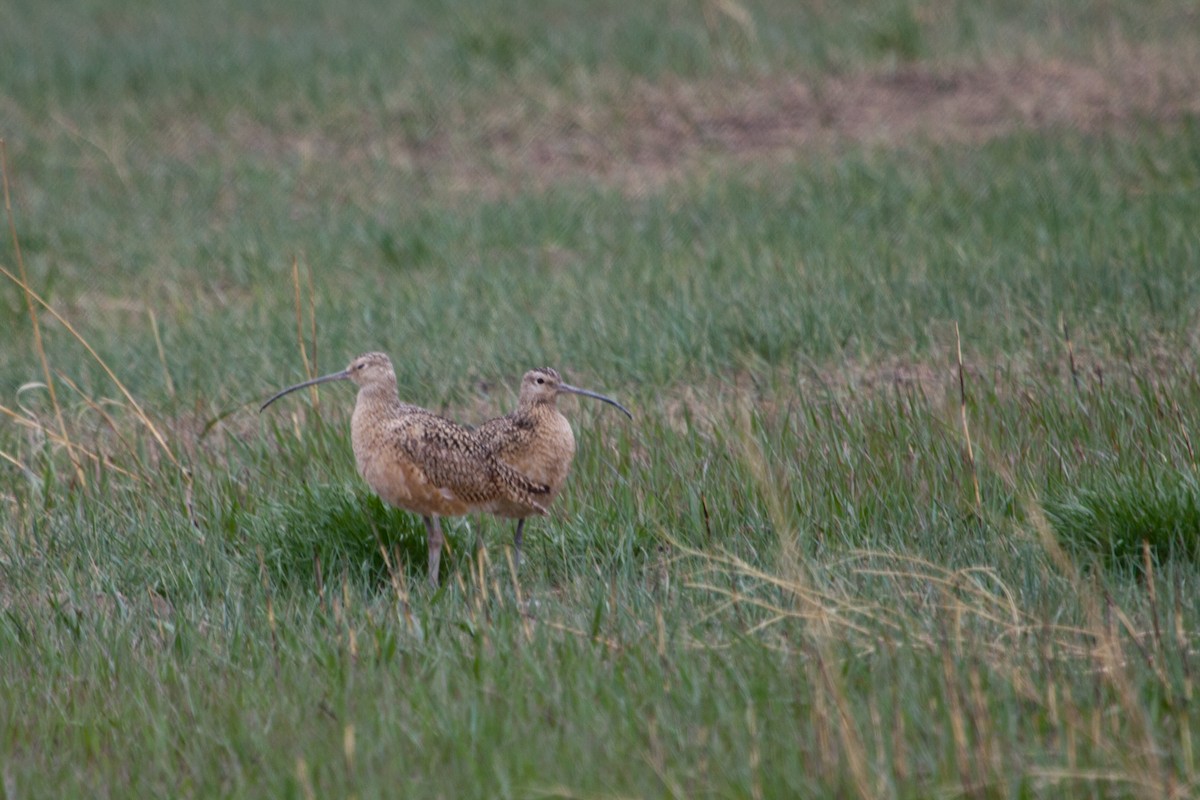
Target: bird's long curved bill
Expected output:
[337,376]
[566,387]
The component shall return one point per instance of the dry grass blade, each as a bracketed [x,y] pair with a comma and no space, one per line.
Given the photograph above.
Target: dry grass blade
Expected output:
[928,572]
[611,644]
[1140,752]
[137,408]
[112,424]
[820,611]
[310,367]
[33,425]
[12,460]
[819,601]
[33,318]
[1058,776]
[565,793]
[312,318]
[963,596]
[824,615]
[162,354]
[962,397]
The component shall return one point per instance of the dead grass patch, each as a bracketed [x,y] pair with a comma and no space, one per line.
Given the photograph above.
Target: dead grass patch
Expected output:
[852,382]
[640,135]
[652,133]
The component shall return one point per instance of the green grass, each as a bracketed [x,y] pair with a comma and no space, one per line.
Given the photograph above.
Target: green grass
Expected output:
[1128,512]
[777,581]
[308,59]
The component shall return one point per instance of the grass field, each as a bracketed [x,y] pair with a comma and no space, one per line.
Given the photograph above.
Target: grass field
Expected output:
[827,559]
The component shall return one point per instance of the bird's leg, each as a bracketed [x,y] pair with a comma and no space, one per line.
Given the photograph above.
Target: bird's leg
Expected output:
[476,541]
[434,530]
[517,542]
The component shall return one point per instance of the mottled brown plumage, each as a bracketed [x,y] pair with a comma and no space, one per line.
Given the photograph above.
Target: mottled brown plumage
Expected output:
[512,466]
[536,440]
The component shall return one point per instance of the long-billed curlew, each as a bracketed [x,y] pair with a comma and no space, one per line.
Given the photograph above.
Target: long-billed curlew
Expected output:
[536,439]
[424,463]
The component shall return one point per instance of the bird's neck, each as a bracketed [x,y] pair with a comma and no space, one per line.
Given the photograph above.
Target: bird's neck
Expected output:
[542,404]
[379,396]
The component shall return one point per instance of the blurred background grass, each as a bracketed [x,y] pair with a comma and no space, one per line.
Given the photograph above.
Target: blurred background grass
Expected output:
[758,225]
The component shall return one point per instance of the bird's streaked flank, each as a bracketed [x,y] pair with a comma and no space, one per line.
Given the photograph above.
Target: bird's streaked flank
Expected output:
[511,466]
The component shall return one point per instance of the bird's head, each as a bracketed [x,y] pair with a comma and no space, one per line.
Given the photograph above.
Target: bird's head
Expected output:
[369,369]
[543,385]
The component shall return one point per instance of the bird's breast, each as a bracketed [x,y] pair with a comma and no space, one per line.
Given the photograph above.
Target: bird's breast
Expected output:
[547,457]
[397,480]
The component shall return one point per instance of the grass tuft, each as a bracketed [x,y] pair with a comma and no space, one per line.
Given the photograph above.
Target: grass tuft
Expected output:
[1113,518]
[898,33]
[345,531]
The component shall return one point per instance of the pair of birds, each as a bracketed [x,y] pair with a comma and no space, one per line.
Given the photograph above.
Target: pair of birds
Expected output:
[511,466]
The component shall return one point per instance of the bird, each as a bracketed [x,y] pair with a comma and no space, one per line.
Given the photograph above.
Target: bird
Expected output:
[511,466]
[536,439]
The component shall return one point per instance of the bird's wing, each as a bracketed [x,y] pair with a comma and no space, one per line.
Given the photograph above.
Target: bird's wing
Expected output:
[503,436]
[499,439]
[453,460]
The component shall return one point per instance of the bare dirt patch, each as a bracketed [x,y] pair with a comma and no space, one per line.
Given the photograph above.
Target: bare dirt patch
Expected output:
[651,133]
[639,135]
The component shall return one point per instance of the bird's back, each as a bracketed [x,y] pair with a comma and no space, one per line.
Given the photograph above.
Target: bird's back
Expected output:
[425,463]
